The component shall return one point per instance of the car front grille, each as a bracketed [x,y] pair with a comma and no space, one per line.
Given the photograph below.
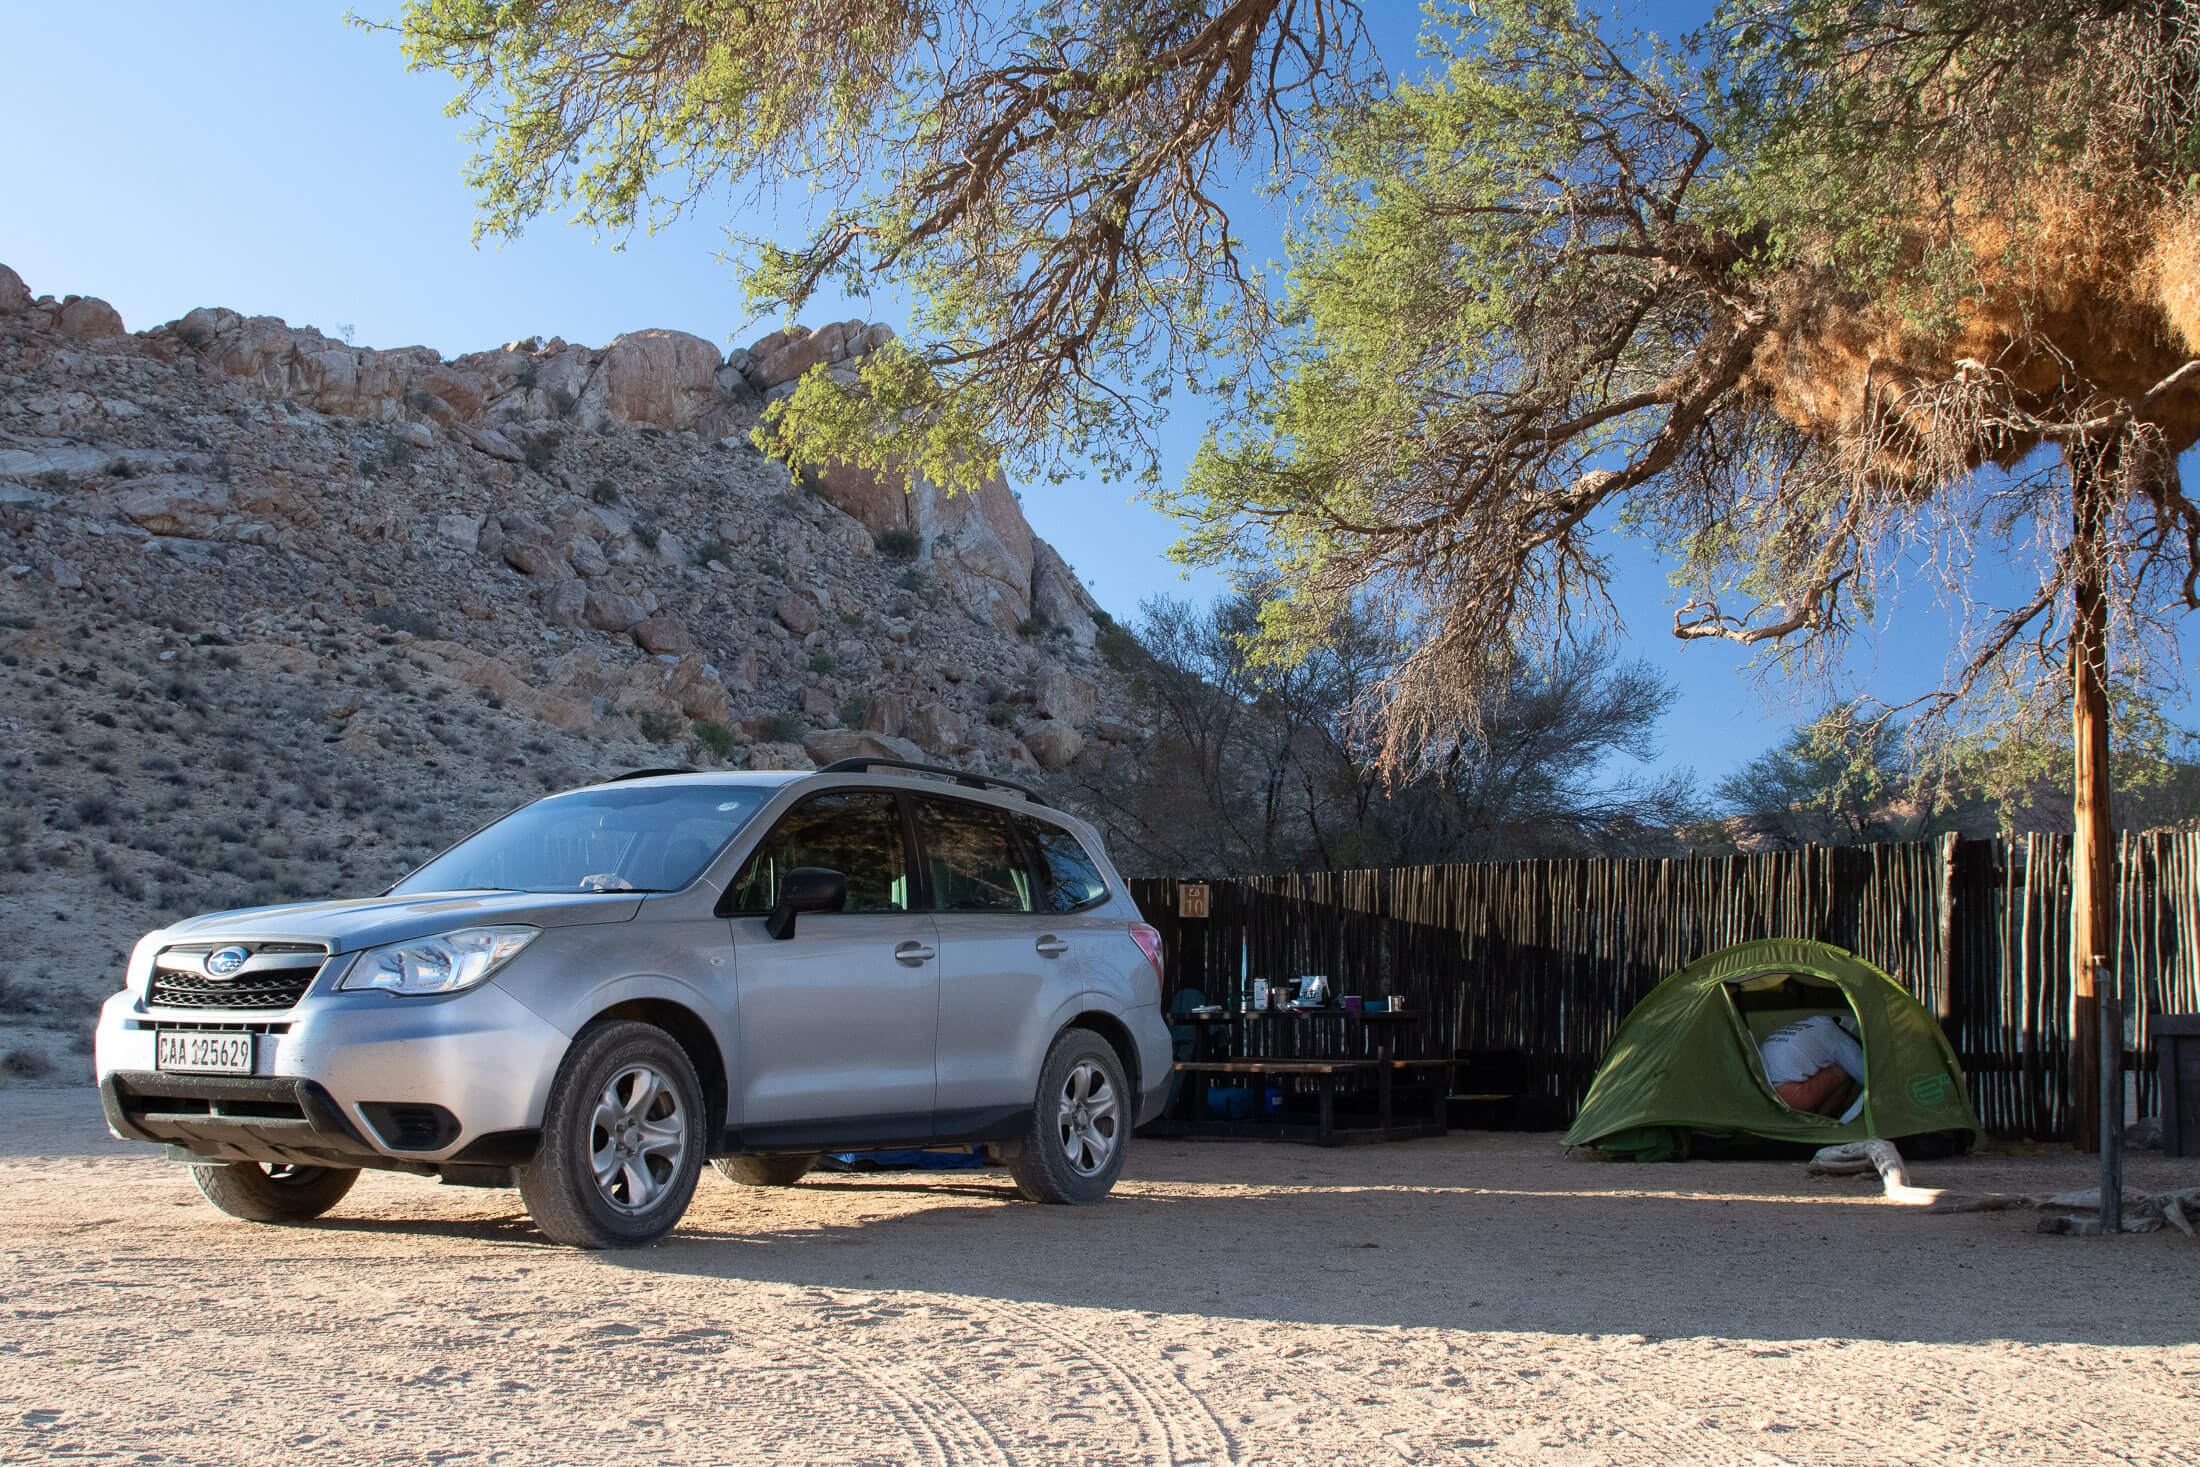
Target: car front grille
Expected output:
[275,976]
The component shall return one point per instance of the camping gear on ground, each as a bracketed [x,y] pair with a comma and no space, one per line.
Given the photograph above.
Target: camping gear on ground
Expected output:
[954,1159]
[1685,1065]
[1880,1156]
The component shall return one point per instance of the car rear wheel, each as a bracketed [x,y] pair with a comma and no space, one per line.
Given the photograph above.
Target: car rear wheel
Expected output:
[1080,1126]
[766,1171]
[272,1194]
[622,1140]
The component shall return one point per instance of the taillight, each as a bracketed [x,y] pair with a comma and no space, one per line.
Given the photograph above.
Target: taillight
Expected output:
[1149,943]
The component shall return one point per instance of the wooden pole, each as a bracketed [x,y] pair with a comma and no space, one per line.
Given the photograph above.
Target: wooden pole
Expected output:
[2093,851]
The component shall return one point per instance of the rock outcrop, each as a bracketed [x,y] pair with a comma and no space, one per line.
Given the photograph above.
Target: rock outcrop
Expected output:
[504,403]
[540,496]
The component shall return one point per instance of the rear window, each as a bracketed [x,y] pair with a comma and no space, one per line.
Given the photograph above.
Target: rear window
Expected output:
[1069,878]
[972,859]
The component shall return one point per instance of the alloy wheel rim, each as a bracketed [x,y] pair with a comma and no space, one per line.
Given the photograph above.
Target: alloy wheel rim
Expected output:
[637,1138]
[1089,1118]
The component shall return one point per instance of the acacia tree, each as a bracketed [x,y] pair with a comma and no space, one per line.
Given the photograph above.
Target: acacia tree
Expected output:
[1259,765]
[1836,775]
[1051,182]
[1833,291]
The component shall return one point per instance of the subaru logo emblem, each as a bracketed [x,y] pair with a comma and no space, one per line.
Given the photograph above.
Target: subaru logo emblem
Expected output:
[224,961]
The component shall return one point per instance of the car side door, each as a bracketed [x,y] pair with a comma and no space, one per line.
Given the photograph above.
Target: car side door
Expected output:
[839,1021]
[1001,978]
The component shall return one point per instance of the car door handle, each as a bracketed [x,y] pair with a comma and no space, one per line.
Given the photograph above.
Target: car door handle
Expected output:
[1051,946]
[912,952]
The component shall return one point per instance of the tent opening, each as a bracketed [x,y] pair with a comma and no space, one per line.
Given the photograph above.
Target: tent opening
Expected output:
[1765,1004]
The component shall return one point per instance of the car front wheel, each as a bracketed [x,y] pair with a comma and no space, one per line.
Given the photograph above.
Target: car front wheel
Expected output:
[272,1194]
[622,1140]
[1080,1126]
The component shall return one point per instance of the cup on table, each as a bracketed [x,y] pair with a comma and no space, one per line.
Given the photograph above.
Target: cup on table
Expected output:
[1351,1002]
[1376,1005]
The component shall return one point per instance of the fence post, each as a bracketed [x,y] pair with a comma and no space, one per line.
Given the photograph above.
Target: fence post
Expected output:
[1950,927]
[2108,996]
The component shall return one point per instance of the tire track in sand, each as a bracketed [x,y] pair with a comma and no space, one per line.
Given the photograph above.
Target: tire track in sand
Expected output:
[1182,1436]
[959,1438]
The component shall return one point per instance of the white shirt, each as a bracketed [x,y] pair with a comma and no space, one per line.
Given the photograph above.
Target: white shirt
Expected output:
[1807,1046]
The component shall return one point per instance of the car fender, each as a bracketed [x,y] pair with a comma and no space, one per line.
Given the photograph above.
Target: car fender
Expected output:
[1090,1001]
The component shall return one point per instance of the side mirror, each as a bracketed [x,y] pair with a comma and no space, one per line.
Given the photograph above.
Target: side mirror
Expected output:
[805,889]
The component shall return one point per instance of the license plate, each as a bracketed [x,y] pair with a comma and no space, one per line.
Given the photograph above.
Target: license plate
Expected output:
[205,1053]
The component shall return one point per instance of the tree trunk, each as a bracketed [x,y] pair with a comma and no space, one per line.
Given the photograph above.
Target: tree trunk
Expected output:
[2093,851]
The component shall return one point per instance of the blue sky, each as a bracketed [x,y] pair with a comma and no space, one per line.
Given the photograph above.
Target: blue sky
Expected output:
[270,158]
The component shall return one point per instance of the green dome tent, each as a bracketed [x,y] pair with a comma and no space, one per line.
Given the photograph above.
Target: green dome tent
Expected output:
[1686,1060]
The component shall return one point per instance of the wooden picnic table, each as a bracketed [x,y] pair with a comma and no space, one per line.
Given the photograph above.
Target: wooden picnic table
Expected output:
[1325,1075]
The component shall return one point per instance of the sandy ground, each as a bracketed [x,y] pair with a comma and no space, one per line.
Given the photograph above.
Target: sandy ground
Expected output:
[1475,1299]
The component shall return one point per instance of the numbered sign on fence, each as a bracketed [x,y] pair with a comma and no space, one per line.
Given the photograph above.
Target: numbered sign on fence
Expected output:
[1191,899]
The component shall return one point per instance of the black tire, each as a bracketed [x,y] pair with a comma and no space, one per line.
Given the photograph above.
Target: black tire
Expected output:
[623,1137]
[272,1194]
[1079,1130]
[766,1171]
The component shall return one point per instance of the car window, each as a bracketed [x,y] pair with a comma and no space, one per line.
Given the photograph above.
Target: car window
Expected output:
[857,833]
[972,860]
[1068,878]
[616,837]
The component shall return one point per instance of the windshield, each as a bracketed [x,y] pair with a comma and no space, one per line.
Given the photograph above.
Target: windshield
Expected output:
[614,838]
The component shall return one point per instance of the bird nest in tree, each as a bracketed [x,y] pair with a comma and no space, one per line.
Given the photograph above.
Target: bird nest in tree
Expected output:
[2077,322]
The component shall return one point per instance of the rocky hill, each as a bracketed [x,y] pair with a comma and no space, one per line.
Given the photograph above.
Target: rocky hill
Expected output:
[279,615]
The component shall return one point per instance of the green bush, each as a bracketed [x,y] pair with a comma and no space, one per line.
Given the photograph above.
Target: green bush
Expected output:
[715,737]
[900,544]
[781,728]
[713,549]
[1001,713]
[660,728]
[604,492]
[1031,626]
[1118,647]
[854,710]
[822,662]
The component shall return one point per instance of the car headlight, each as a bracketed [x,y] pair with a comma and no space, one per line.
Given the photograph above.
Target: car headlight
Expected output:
[446,963]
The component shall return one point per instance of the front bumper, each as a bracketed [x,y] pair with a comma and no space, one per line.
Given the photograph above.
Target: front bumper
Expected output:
[349,1079]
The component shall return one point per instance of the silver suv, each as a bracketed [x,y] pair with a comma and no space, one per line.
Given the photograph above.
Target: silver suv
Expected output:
[599,992]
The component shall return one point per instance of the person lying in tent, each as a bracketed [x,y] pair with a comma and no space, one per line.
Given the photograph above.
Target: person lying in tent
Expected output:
[1816,1064]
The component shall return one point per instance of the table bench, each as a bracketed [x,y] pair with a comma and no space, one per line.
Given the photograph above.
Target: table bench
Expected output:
[1326,1075]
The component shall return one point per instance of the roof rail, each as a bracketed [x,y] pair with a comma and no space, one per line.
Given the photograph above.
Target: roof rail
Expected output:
[651,773]
[862,762]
